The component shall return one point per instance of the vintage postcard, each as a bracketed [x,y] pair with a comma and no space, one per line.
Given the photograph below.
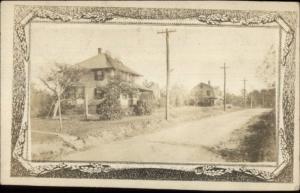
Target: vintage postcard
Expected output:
[181,95]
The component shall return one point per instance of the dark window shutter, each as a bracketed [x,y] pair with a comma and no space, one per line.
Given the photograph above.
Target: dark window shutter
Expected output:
[102,75]
[95,75]
[95,93]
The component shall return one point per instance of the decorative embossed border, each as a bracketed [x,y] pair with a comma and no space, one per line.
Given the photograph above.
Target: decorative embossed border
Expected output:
[25,14]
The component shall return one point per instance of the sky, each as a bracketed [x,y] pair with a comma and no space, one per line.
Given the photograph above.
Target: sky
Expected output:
[196,52]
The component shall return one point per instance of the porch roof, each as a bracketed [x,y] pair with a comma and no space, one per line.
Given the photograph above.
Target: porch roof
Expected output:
[142,88]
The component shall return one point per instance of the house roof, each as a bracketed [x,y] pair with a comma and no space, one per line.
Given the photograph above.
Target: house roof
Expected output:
[204,86]
[104,60]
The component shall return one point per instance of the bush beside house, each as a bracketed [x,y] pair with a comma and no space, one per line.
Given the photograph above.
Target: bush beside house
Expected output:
[145,105]
[109,110]
[110,107]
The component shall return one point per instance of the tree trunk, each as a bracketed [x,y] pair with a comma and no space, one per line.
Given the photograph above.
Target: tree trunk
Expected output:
[59,110]
[55,110]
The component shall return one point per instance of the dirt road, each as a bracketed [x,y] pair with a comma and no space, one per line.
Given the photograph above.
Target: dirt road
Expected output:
[183,143]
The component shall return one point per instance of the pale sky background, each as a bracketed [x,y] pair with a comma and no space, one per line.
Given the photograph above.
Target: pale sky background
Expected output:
[196,53]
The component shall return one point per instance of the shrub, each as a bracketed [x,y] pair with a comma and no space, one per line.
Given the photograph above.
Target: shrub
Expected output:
[66,107]
[109,110]
[192,102]
[129,111]
[138,108]
[70,108]
[143,107]
[41,103]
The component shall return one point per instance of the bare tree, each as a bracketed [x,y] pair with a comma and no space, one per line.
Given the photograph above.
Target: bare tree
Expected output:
[155,89]
[58,80]
[148,84]
[178,95]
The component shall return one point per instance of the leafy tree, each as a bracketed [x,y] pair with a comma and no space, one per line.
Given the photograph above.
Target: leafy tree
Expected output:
[267,70]
[234,99]
[263,98]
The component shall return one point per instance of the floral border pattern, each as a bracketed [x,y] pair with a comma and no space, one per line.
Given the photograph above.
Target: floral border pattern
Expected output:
[26,14]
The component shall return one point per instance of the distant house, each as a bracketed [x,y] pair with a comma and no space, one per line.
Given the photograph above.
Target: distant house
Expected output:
[99,69]
[203,94]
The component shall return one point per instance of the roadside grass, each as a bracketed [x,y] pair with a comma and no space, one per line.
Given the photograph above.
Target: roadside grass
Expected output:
[47,146]
[50,147]
[254,142]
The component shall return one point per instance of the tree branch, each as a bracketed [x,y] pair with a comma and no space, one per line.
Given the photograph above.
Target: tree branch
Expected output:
[48,86]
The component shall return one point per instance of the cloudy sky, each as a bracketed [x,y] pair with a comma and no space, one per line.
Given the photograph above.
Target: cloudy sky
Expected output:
[196,53]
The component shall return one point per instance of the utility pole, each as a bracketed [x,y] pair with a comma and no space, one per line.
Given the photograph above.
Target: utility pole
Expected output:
[224,99]
[168,69]
[245,92]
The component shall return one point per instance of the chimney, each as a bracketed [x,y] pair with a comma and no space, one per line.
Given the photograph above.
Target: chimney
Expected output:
[99,50]
[208,82]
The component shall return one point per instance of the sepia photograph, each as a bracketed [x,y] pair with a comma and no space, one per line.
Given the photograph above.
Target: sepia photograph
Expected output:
[153,93]
[123,94]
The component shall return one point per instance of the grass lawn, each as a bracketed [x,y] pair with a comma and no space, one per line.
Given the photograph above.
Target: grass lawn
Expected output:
[46,145]
[258,142]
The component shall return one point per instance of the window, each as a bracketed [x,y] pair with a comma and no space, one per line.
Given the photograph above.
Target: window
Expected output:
[80,93]
[74,93]
[99,94]
[99,75]
[208,93]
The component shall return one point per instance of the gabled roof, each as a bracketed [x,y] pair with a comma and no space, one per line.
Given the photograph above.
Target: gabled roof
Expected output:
[202,84]
[98,61]
[103,60]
